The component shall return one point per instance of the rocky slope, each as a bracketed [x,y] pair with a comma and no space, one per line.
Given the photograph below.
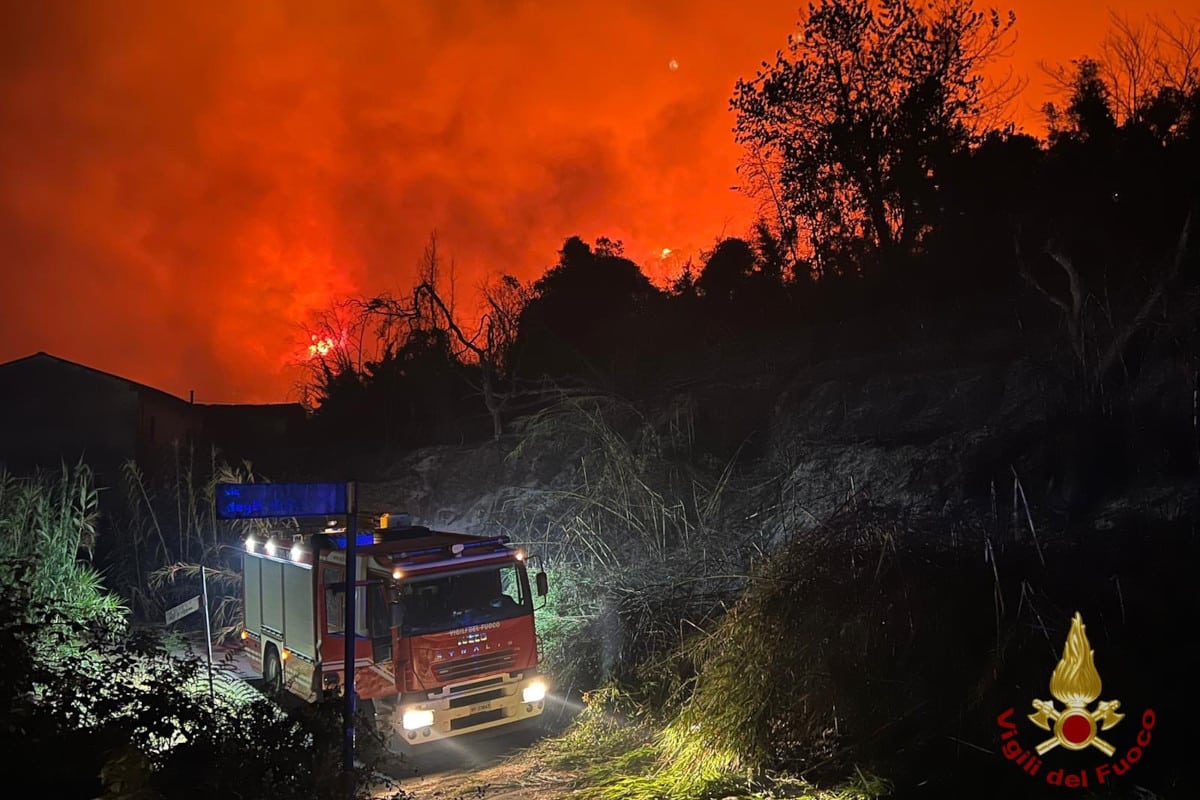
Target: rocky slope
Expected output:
[926,430]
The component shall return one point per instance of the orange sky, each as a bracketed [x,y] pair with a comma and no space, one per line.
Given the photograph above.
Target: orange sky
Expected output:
[183,183]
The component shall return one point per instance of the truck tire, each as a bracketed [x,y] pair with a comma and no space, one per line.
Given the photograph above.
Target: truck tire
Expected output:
[370,740]
[365,718]
[272,671]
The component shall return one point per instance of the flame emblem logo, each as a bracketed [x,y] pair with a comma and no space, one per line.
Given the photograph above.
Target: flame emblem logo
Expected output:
[1076,684]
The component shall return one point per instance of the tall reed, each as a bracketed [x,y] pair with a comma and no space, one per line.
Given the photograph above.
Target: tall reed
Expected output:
[49,524]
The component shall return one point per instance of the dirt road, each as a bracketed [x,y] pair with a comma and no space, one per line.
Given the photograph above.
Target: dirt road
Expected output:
[515,776]
[495,766]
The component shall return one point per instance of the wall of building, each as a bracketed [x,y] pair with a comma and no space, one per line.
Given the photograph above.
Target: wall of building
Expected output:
[52,411]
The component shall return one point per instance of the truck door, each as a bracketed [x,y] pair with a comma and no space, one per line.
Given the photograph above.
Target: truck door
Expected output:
[333,614]
[372,617]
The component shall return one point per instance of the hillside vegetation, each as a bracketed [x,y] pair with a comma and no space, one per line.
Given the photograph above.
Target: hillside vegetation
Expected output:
[821,509]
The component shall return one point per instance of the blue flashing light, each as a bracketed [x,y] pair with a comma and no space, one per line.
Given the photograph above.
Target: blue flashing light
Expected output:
[364,538]
[265,500]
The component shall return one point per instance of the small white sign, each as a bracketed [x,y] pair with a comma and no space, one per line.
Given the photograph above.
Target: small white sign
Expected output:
[183,609]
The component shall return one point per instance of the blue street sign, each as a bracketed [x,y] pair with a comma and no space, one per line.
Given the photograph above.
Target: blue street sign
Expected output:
[260,500]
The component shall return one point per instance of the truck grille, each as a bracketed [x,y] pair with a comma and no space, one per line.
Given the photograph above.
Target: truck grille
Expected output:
[476,719]
[472,699]
[469,667]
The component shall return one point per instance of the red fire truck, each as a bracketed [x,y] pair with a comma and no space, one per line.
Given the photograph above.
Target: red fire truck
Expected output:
[444,641]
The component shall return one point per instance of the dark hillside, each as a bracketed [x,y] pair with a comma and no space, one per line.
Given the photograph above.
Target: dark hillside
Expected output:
[931,507]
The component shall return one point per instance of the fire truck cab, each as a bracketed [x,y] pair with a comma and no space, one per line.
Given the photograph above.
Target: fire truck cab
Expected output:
[444,644]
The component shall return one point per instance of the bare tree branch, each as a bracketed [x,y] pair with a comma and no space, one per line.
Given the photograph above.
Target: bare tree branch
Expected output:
[1116,348]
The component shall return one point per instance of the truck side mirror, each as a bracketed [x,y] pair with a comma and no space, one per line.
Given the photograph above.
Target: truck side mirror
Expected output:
[543,585]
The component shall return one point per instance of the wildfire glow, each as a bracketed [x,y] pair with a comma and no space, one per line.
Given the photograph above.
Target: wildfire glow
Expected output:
[299,154]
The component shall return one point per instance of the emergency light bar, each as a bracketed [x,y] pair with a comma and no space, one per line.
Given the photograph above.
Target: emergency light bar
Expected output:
[364,538]
[455,548]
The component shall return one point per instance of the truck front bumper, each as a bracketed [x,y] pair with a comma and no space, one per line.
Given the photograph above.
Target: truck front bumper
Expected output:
[474,706]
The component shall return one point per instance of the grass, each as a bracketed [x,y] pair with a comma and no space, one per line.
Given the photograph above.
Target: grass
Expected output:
[621,754]
[632,534]
[644,564]
[884,644]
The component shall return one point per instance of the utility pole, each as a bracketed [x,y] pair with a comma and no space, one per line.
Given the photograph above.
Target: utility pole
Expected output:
[348,708]
[276,500]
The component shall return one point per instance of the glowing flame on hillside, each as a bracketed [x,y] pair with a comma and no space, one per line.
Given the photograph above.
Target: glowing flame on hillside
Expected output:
[1075,681]
[322,346]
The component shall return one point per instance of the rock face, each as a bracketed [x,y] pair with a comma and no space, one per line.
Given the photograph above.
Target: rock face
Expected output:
[924,431]
[915,439]
[476,489]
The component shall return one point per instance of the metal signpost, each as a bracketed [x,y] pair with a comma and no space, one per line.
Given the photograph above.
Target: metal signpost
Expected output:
[187,607]
[272,500]
[349,708]
[183,609]
[212,692]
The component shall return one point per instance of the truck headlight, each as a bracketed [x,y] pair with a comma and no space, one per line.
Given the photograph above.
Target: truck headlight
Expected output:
[534,692]
[417,718]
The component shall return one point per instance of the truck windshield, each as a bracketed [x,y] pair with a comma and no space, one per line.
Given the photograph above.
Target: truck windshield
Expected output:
[447,601]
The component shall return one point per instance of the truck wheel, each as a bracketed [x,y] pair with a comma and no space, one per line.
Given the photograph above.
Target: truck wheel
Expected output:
[365,718]
[272,671]
[370,739]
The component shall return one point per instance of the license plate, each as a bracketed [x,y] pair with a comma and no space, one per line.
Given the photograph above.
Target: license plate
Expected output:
[480,707]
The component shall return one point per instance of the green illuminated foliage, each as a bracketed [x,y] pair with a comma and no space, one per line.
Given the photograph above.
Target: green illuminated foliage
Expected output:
[49,522]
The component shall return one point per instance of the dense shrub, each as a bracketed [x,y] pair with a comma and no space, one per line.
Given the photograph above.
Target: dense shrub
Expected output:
[92,713]
[49,522]
[891,643]
[91,708]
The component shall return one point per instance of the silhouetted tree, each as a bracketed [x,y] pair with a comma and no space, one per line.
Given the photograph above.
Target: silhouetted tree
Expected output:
[1110,233]
[684,284]
[776,255]
[1107,242]
[340,401]
[776,228]
[491,349]
[1141,60]
[727,271]
[984,191]
[739,290]
[862,113]
[484,358]
[587,313]
[1088,114]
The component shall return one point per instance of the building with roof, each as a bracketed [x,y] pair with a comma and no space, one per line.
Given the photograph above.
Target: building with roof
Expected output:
[53,410]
